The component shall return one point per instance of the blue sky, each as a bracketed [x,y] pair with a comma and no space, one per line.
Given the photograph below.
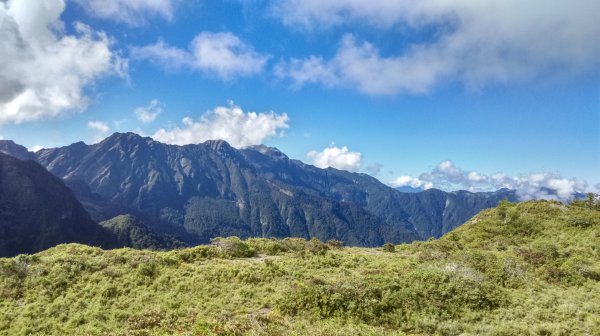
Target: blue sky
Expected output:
[450,94]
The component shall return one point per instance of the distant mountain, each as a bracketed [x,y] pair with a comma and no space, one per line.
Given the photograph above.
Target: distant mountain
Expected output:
[130,232]
[197,192]
[212,189]
[38,211]
[437,212]
[10,148]
[407,189]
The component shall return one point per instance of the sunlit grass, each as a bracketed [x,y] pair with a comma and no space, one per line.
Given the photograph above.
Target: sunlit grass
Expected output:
[531,268]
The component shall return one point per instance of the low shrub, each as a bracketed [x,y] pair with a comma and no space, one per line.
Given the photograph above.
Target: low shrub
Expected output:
[233,247]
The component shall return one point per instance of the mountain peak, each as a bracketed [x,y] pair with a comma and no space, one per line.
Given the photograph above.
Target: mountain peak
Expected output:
[220,146]
[9,147]
[271,152]
[127,136]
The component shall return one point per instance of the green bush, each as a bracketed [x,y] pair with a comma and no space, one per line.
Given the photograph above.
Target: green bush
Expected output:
[389,247]
[233,247]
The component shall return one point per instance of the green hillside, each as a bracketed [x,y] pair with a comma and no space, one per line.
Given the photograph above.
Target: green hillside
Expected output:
[527,269]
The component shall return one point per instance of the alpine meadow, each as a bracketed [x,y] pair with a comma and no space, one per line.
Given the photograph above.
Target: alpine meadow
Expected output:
[299,167]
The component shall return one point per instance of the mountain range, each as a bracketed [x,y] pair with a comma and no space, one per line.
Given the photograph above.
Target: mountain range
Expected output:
[193,193]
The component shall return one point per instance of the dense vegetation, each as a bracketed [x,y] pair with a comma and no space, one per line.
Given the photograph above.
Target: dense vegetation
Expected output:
[129,231]
[521,269]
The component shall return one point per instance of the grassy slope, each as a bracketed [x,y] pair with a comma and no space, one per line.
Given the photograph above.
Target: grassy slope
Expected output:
[531,268]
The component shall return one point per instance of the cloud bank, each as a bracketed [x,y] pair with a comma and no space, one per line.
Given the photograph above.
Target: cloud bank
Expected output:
[229,123]
[222,55]
[336,157]
[447,176]
[43,71]
[476,43]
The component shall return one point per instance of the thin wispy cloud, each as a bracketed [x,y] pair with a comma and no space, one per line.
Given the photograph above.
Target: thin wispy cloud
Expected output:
[149,113]
[130,12]
[100,129]
[222,55]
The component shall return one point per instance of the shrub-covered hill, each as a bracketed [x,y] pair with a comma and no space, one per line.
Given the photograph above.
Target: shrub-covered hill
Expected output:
[129,231]
[527,269]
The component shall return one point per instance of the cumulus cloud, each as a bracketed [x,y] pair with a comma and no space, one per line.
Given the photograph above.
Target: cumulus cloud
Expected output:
[447,176]
[43,71]
[336,157]
[222,54]
[477,43]
[131,12]
[229,123]
[149,113]
[100,126]
[408,181]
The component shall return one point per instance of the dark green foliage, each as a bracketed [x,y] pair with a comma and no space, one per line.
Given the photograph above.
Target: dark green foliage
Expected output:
[130,232]
[333,243]
[389,247]
[592,201]
[233,247]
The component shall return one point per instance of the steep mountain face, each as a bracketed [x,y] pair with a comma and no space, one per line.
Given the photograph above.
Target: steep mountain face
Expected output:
[38,211]
[212,189]
[438,212]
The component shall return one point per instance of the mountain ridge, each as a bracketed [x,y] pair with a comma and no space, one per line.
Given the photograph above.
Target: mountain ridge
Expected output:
[199,191]
[38,211]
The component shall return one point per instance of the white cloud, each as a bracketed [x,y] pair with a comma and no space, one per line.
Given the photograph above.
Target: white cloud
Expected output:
[360,66]
[149,113]
[222,55]
[43,71]
[477,43]
[167,57]
[335,157]
[100,126]
[100,129]
[408,181]
[229,123]
[131,12]
[543,185]
[35,148]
